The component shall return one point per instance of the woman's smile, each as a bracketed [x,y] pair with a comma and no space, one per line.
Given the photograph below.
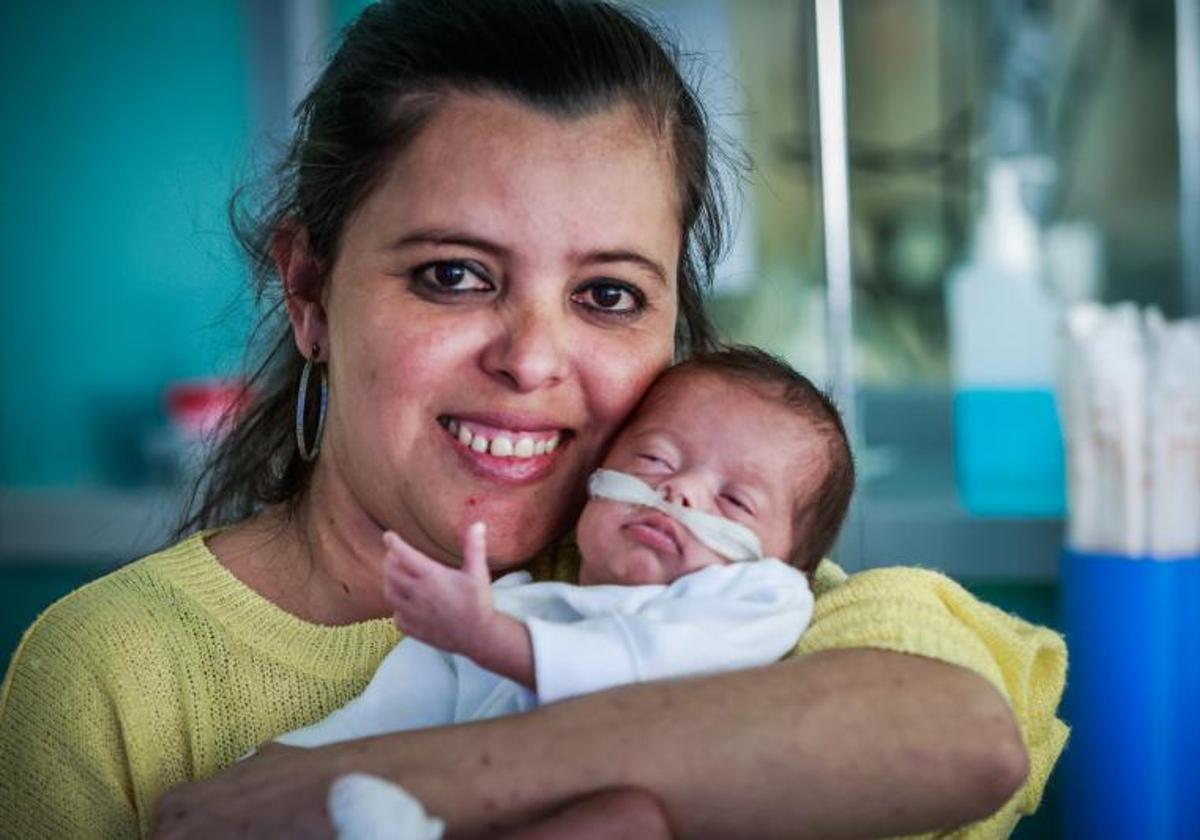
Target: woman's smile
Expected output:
[506,448]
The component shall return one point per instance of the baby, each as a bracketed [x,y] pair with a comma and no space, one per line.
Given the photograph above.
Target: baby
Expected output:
[731,462]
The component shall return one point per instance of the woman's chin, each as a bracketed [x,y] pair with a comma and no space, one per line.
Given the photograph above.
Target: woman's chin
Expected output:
[517,541]
[521,523]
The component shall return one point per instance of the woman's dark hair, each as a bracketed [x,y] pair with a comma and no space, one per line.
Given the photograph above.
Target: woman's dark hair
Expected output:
[818,518]
[395,65]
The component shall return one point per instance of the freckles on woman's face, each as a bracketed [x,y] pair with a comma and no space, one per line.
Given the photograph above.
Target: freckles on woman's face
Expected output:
[498,305]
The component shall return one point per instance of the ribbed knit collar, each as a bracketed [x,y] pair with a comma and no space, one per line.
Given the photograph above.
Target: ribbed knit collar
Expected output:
[346,651]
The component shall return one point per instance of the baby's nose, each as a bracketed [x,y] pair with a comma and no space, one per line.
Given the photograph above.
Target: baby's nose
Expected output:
[676,492]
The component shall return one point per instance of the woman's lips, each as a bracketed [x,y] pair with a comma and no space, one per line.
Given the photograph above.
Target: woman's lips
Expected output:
[502,442]
[505,450]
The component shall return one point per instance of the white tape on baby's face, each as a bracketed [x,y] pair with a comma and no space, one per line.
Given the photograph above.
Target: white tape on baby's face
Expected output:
[731,540]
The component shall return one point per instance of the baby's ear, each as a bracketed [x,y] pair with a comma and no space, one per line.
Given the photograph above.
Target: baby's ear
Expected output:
[797,558]
[809,568]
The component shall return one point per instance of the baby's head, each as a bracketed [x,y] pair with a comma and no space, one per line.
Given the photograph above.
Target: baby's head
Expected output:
[736,433]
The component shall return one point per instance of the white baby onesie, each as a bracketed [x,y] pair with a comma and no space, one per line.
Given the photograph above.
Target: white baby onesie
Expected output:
[585,638]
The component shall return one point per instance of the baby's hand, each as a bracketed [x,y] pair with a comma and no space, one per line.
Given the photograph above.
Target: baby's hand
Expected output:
[445,607]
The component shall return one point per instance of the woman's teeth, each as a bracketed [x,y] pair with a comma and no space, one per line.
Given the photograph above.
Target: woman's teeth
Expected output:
[502,445]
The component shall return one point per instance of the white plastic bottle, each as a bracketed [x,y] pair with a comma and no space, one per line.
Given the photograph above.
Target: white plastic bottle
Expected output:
[1004,346]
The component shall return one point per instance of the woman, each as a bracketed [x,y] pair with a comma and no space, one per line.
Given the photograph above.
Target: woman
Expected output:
[498,213]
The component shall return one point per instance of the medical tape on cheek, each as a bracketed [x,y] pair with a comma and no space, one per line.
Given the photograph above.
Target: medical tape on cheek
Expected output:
[731,540]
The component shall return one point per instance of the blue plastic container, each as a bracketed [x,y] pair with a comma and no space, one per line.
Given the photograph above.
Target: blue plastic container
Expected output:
[1008,452]
[1132,765]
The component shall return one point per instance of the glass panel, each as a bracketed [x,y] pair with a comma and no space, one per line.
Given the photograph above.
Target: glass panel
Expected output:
[1006,158]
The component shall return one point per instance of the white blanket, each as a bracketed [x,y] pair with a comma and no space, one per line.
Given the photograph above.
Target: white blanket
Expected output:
[585,638]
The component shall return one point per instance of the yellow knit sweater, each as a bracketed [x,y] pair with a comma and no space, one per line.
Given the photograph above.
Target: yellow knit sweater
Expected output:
[170,668]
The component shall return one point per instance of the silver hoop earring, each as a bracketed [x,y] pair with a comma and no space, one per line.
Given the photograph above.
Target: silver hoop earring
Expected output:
[306,454]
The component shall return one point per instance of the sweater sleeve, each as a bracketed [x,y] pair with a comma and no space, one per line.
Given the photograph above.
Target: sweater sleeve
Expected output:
[920,612]
[717,619]
[63,769]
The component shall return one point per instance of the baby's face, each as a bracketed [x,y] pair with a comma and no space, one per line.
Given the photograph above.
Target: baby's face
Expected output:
[707,442]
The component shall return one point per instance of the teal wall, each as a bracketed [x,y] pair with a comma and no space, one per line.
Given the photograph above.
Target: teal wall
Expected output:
[345,11]
[125,127]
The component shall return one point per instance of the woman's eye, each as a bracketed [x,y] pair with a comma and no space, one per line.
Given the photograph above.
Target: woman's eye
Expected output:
[452,277]
[610,298]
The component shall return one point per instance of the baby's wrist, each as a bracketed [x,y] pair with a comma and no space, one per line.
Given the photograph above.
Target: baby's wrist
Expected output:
[475,636]
[490,632]
[496,641]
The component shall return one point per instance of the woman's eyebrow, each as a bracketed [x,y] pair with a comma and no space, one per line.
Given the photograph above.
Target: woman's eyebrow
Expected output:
[444,236]
[622,255]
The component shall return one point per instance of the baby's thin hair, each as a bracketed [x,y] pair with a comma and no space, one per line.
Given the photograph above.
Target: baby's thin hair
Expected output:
[818,518]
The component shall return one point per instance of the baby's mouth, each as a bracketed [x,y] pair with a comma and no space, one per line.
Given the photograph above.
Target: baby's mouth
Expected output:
[658,531]
[482,438]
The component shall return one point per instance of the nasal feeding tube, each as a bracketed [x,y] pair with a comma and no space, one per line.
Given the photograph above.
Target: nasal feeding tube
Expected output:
[731,540]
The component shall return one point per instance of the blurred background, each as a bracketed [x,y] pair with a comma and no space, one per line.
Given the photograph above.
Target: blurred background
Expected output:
[1005,158]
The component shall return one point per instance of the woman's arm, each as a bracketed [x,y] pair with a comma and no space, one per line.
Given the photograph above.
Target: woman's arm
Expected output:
[844,743]
[64,768]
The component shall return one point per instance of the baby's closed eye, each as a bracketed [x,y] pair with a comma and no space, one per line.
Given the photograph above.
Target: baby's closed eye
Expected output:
[657,463]
[739,502]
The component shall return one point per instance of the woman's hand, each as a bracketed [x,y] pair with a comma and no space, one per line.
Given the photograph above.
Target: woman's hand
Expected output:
[463,773]
[445,607]
[280,792]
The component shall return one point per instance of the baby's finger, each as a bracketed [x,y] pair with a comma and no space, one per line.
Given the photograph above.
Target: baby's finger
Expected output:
[400,573]
[403,558]
[474,560]
[403,583]
[395,542]
[394,592]
[397,547]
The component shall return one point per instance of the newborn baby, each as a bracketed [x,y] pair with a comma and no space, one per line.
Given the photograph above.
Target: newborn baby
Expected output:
[726,487]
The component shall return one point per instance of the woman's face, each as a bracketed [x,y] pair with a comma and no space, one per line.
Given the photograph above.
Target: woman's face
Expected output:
[497,306]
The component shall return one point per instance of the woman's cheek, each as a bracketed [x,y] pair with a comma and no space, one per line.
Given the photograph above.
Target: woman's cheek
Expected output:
[620,376]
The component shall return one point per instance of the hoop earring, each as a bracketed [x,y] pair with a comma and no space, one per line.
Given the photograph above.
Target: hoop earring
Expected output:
[309,455]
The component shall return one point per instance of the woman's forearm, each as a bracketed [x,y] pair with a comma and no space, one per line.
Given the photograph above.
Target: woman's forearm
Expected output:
[852,743]
[841,743]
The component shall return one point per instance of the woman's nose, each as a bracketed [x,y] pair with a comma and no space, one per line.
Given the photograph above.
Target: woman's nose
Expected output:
[529,352]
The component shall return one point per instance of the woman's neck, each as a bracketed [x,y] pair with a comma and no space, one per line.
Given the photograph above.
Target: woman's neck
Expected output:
[320,560]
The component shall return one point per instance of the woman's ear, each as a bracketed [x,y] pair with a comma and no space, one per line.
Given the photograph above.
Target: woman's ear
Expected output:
[301,273]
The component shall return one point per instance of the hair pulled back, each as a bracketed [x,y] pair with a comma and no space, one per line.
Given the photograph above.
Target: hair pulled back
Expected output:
[394,66]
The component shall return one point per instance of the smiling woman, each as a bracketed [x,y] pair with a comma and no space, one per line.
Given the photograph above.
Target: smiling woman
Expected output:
[489,235]
[447,305]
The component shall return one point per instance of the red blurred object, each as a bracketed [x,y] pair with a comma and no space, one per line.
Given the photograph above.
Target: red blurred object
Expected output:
[198,407]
